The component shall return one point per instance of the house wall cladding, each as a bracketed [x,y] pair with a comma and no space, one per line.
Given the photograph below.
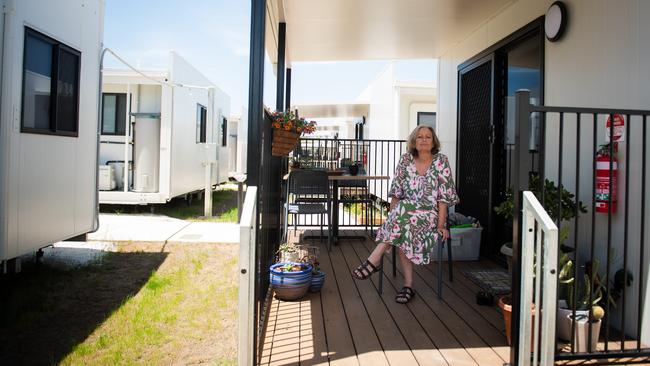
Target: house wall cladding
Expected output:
[47,185]
[600,62]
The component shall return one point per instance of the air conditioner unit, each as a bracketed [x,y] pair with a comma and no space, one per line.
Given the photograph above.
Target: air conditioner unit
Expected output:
[106,178]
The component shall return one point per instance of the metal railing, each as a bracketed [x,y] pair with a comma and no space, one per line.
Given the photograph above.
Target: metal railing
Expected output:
[538,285]
[364,202]
[247,302]
[599,227]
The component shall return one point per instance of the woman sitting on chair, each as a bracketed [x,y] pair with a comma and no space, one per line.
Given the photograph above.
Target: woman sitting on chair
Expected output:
[421,192]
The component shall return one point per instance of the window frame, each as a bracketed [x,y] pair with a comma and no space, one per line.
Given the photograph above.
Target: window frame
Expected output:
[201,124]
[224,131]
[435,114]
[57,46]
[117,98]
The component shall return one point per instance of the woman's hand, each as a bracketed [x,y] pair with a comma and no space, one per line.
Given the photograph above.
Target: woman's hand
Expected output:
[393,203]
[444,233]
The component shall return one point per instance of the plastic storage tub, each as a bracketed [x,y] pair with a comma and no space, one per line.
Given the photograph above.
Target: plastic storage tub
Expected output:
[465,245]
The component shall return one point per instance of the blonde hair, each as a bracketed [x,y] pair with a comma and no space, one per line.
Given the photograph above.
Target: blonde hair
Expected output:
[413,136]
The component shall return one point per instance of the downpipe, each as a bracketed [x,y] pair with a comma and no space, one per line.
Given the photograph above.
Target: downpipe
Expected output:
[99,126]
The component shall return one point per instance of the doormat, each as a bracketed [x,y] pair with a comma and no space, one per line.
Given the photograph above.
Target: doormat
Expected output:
[494,281]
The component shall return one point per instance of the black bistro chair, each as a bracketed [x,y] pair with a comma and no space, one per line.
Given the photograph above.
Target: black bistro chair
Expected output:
[308,193]
[441,244]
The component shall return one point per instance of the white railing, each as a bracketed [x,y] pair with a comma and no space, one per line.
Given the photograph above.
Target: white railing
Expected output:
[539,253]
[245,354]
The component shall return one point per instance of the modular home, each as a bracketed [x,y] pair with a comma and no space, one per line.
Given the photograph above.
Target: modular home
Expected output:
[48,122]
[158,131]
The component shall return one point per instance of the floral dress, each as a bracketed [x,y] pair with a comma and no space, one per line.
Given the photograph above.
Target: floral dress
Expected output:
[412,223]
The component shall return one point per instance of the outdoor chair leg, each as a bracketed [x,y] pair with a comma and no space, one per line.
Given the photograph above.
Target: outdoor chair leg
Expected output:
[381,276]
[322,222]
[394,254]
[449,262]
[329,231]
[295,224]
[440,242]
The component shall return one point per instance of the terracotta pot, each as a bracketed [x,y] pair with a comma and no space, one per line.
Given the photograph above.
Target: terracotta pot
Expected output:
[506,308]
[283,142]
[507,316]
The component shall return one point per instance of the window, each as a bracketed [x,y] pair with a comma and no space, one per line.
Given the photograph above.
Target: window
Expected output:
[113,114]
[224,132]
[427,119]
[358,129]
[201,123]
[50,103]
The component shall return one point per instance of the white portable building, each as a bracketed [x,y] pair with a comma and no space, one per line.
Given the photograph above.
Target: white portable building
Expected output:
[159,128]
[49,74]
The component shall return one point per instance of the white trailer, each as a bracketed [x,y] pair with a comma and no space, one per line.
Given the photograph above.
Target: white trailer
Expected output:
[158,130]
[49,72]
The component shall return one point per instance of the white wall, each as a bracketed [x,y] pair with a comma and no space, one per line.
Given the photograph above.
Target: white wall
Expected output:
[187,171]
[596,64]
[242,141]
[382,117]
[47,183]
[415,108]
[413,99]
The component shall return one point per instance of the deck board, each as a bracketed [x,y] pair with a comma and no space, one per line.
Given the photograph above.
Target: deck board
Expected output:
[453,322]
[350,323]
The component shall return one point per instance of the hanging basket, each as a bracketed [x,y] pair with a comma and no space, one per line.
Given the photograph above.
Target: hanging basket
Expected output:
[283,142]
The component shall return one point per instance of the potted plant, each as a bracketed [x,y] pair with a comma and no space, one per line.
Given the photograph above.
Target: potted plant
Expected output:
[551,195]
[290,280]
[595,289]
[317,277]
[287,128]
[551,192]
[288,252]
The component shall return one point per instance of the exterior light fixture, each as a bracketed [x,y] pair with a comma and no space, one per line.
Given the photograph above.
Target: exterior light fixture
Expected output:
[555,21]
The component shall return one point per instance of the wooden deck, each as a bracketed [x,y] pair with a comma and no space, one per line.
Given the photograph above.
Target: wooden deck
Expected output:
[349,323]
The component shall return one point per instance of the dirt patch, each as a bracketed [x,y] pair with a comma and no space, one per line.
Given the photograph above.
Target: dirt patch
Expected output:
[138,305]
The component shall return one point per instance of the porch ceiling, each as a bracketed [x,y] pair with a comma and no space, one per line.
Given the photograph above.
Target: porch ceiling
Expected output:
[331,30]
[333,110]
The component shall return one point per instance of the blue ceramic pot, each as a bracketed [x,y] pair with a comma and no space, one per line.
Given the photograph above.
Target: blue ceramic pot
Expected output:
[290,285]
[317,281]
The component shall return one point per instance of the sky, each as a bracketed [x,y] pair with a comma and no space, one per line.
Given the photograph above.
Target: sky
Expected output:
[213,36]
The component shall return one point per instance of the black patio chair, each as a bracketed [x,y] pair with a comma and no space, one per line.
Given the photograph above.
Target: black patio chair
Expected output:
[308,193]
[440,248]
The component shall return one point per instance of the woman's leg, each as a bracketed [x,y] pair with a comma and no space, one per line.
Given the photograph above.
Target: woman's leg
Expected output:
[364,270]
[407,268]
[375,256]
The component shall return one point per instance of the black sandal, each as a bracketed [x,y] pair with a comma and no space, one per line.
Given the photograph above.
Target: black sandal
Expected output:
[404,295]
[365,270]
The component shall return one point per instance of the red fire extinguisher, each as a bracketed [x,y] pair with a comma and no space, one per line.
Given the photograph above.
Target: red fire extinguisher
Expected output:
[605,187]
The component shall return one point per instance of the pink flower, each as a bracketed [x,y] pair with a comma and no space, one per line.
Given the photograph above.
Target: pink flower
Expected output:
[439,165]
[413,184]
[414,220]
[446,172]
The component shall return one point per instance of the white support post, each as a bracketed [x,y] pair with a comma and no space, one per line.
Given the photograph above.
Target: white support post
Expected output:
[247,237]
[207,196]
[539,281]
[127,138]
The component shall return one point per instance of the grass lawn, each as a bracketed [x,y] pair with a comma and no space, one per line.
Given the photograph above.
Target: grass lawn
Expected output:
[150,306]
[224,208]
